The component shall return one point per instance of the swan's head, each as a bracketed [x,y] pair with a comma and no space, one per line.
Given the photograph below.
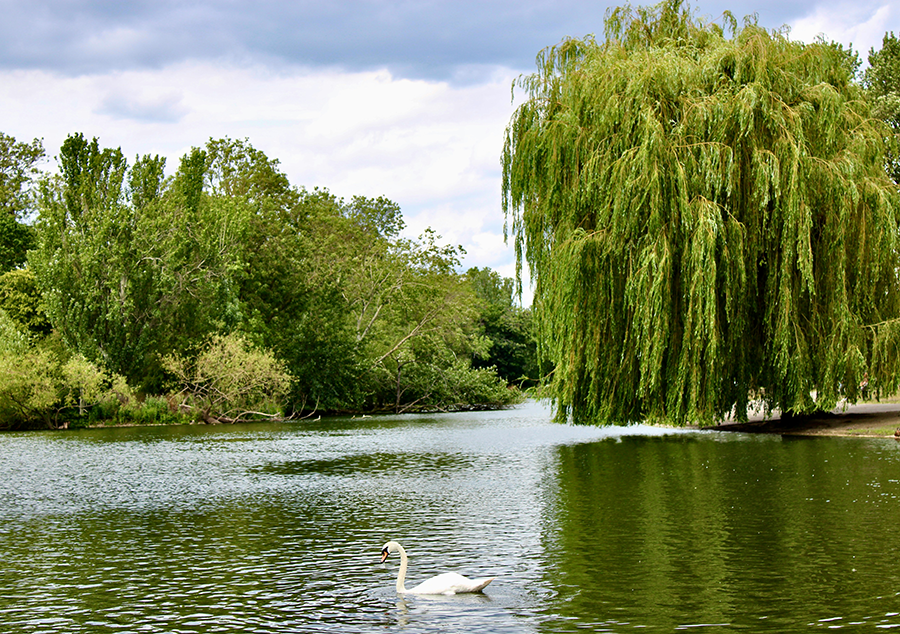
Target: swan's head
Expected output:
[387,549]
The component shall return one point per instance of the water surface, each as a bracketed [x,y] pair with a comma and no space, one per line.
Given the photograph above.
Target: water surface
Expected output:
[278,528]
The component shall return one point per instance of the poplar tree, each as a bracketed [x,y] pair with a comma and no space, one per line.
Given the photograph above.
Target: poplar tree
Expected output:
[707,221]
[130,264]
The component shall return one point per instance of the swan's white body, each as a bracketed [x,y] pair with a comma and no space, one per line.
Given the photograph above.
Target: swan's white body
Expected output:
[447,583]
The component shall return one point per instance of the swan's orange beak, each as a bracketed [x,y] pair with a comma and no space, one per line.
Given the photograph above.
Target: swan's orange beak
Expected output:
[384,555]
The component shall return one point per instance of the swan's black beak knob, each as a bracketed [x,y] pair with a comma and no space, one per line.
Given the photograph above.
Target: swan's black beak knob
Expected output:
[384,555]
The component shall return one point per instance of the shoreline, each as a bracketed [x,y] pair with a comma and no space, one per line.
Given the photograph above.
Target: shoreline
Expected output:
[863,420]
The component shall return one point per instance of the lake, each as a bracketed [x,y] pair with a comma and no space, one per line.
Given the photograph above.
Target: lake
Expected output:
[279,528]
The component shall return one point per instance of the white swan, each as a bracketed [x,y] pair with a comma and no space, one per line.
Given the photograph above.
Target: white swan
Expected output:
[447,583]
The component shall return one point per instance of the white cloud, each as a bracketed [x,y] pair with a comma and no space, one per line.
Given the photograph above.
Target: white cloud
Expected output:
[859,23]
[432,147]
[163,108]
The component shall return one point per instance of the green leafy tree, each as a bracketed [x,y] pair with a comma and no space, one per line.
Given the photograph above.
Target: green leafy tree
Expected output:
[229,380]
[84,228]
[507,327]
[409,314]
[22,301]
[14,338]
[28,389]
[18,169]
[415,322]
[882,78]
[16,238]
[316,338]
[284,300]
[707,219]
[38,387]
[132,265]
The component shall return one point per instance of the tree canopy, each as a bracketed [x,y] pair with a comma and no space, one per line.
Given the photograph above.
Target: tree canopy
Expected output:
[882,78]
[221,293]
[706,218]
[506,327]
[18,168]
[132,266]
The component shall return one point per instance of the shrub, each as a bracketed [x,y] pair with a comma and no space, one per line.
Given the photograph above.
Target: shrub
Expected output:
[230,380]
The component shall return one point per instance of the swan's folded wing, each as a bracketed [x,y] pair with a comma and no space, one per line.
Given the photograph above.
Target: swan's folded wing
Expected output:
[450,583]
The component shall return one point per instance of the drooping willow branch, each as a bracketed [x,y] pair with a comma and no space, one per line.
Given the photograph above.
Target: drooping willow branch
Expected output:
[705,219]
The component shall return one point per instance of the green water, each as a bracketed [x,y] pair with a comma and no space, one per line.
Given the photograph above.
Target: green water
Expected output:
[278,528]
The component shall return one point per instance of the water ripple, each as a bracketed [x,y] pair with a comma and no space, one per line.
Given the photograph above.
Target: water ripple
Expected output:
[277,528]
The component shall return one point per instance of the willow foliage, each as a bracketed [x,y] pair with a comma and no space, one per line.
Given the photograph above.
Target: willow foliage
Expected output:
[706,218]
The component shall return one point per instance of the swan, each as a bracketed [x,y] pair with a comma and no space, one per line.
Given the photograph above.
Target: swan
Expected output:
[447,583]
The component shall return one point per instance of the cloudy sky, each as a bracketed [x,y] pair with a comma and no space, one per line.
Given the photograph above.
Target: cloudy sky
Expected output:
[403,98]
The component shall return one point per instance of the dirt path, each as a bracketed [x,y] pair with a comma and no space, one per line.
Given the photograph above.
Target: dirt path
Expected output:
[875,420]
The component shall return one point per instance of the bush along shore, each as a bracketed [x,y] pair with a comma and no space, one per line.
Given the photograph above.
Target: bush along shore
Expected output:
[227,382]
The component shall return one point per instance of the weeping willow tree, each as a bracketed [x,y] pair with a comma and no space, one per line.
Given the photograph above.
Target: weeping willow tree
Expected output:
[707,221]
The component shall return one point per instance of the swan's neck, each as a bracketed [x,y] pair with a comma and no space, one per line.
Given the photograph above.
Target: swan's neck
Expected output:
[401,574]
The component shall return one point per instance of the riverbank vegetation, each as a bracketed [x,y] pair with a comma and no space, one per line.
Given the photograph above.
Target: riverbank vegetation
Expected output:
[708,219]
[223,293]
[709,212]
